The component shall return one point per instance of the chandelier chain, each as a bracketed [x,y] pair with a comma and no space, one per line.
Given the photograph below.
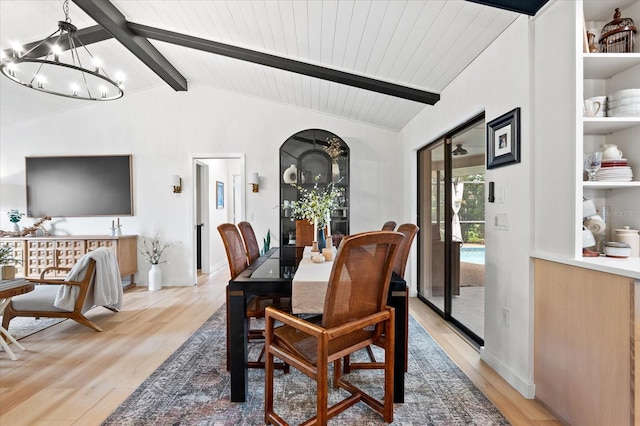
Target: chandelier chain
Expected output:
[65,9]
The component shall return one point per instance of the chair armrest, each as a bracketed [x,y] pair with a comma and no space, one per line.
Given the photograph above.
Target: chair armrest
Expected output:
[53,282]
[359,324]
[293,321]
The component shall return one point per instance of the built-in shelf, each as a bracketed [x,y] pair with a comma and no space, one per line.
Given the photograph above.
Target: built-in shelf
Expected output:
[605,65]
[608,125]
[611,185]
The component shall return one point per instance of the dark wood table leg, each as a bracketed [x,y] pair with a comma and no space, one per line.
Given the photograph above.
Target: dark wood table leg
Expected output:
[238,341]
[397,299]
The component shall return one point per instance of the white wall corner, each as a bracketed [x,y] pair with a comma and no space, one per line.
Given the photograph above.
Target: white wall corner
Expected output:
[525,387]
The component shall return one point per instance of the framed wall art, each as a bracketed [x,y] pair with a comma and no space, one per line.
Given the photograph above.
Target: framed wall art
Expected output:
[219,195]
[503,140]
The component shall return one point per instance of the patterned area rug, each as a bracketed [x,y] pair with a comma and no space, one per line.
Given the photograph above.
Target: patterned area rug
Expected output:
[192,387]
[21,327]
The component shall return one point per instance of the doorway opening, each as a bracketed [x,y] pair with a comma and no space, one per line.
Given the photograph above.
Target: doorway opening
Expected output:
[451,250]
[219,198]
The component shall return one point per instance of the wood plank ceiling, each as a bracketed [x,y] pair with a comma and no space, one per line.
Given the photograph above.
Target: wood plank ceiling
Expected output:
[417,44]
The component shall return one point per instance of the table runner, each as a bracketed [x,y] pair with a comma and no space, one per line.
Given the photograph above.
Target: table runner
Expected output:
[309,286]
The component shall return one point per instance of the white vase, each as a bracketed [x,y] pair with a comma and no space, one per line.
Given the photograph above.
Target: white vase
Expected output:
[335,171]
[16,227]
[155,278]
[291,174]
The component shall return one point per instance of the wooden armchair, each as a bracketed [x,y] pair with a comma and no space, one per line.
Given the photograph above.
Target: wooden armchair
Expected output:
[250,241]
[409,230]
[39,302]
[237,257]
[355,315]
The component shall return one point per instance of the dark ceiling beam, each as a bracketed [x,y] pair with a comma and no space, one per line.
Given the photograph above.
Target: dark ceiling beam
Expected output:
[528,7]
[87,36]
[114,22]
[273,61]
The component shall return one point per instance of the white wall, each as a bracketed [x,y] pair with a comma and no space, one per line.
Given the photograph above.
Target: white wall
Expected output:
[496,82]
[164,130]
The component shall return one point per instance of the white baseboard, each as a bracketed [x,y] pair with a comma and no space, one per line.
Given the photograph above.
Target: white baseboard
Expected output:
[526,388]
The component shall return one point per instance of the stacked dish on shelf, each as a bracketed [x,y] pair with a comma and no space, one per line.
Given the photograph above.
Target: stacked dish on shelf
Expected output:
[614,170]
[624,103]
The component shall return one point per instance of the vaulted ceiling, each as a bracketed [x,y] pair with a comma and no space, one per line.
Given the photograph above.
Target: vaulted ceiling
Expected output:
[406,46]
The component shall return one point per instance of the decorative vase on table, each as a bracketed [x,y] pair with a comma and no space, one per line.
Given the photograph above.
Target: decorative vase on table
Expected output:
[322,242]
[155,278]
[16,227]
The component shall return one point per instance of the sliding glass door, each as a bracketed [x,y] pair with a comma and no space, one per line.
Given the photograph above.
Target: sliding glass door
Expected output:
[451,219]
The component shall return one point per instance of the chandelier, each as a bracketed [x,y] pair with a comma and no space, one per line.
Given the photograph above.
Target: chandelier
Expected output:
[62,72]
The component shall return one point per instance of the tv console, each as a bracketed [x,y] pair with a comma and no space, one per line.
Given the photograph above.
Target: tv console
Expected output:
[38,253]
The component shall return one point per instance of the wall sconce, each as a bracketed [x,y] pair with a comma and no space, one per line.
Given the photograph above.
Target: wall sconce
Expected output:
[254,180]
[176,183]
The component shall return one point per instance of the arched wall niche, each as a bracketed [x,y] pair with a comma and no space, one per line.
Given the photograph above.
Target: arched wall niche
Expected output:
[307,156]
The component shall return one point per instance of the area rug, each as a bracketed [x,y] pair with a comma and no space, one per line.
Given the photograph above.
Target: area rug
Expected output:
[21,327]
[192,387]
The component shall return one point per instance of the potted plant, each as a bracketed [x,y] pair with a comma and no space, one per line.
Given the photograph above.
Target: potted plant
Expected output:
[14,217]
[8,262]
[152,251]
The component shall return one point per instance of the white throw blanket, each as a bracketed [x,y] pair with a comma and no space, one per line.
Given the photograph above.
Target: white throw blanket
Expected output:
[106,289]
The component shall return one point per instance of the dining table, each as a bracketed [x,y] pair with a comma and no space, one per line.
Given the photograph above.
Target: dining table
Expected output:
[273,274]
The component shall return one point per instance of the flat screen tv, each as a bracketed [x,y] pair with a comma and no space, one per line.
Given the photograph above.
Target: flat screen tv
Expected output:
[79,186]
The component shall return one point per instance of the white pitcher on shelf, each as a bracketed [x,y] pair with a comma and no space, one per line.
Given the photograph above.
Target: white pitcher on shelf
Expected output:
[610,152]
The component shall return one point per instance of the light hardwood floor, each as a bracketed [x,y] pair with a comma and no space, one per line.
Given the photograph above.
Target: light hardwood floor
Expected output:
[72,375]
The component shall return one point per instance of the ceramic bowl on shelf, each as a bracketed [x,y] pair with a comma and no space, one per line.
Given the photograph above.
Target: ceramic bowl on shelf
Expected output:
[631,110]
[626,93]
[617,249]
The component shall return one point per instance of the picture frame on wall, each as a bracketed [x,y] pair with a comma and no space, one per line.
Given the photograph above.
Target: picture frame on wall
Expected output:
[503,140]
[219,195]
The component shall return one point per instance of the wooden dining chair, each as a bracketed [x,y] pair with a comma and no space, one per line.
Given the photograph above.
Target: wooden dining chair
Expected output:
[409,230]
[389,226]
[250,241]
[355,315]
[237,258]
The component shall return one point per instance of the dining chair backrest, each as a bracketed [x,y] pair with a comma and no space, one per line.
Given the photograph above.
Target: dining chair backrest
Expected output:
[234,247]
[250,241]
[389,226]
[409,230]
[360,276]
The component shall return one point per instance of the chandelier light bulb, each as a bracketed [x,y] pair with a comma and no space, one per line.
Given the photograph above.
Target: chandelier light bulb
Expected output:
[17,48]
[41,81]
[103,91]
[55,49]
[97,64]
[11,67]
[74,89]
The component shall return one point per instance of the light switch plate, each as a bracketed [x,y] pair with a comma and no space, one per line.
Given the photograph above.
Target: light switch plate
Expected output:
[501,222]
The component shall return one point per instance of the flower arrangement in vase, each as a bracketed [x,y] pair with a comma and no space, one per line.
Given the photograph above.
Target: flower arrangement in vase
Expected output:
[14,217]
[152,252]
[316,206]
